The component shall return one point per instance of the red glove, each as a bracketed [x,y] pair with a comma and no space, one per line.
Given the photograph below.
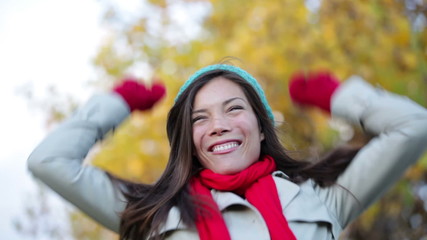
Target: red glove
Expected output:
[316,89]
[138,96]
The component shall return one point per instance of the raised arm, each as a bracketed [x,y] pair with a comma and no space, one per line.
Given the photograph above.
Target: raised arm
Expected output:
[400,129]
[58,159]
[398,124]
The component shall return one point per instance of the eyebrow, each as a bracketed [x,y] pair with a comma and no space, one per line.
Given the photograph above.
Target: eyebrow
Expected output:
[223,104]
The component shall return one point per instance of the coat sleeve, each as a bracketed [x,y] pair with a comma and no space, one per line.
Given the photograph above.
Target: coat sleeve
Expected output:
[58,160]
[400,129]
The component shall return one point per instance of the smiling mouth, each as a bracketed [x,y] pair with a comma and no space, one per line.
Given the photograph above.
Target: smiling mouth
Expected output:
[224,147]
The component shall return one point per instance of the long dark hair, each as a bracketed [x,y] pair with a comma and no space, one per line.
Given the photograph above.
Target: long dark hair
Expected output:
[148,205]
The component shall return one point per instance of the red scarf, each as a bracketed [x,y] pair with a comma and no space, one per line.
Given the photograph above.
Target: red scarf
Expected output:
[256,184]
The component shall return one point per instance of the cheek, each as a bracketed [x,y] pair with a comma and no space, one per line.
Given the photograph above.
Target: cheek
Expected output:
[253,126]
[195,140]
[197,137]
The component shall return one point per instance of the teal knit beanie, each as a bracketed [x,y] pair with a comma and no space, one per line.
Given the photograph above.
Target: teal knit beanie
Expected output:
[242,73]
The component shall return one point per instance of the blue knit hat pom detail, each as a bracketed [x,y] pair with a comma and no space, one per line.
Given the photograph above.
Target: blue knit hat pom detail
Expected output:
[242,73]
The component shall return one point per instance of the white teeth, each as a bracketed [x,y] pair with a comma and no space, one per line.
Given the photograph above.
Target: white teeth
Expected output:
[223,147]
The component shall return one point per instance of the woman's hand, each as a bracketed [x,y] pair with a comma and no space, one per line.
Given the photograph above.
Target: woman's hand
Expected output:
[138,96]
[313,89]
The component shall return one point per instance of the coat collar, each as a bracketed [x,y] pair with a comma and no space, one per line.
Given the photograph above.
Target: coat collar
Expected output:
[287,192]
[286,189]
[299,203]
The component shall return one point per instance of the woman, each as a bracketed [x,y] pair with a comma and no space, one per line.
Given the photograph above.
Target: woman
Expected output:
[228,176]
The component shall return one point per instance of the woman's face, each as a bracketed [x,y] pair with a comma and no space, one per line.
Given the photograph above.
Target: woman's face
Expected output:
[226,134]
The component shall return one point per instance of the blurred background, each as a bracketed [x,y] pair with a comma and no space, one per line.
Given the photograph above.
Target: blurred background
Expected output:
[55,54]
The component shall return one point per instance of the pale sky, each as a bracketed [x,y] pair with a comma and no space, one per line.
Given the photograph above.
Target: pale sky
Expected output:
[42,43]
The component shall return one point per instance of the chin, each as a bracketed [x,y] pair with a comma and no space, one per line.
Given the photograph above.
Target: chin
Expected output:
[228,171]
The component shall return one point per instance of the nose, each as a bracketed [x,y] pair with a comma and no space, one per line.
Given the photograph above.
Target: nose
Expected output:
[219,126]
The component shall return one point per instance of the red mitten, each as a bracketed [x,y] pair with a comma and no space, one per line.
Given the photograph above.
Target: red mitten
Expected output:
[138,96]
[316,89]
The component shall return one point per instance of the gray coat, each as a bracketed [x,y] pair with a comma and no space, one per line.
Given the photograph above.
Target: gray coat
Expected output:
[400,127]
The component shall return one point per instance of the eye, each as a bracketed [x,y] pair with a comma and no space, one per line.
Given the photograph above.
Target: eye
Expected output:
[235,107]
[197,118]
